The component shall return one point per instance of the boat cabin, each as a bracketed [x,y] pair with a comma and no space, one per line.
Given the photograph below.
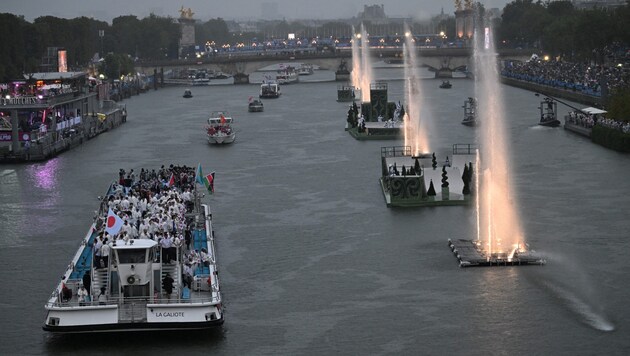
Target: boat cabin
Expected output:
[220,118]
[269,90]
[548,113]
[134,261]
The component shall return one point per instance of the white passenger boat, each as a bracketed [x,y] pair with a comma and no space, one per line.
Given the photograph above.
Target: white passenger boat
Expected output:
[219,128]
[287,76]
[136,288]
[305,69]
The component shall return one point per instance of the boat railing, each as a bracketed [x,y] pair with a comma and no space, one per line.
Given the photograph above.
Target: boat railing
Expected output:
[212,298]
[395,151]
[464,149]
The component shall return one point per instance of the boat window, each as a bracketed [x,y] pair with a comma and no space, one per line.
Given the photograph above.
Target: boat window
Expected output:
[131,255]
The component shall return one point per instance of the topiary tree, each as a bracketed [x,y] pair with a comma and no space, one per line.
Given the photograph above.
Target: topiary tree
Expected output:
[416,167]
[431,191]
[352,120]
[466,180]
[444,177]
[404,170]
[434,161]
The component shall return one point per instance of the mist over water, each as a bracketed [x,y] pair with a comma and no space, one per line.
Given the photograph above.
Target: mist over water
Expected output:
[500,228]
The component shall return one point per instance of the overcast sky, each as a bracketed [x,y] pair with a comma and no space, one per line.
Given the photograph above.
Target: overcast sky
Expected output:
[228,9]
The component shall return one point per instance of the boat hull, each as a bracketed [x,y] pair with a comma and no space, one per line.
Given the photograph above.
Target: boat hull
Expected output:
[256,108]
[219,140]
[551,123]
[124,327]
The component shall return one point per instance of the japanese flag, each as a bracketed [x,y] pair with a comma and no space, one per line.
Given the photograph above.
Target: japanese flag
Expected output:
[113,223]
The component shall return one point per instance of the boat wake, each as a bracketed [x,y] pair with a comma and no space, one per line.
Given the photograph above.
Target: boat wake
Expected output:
[586,311]
[576,292]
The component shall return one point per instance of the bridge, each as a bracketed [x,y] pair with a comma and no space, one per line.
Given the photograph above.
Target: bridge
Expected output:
[443,61]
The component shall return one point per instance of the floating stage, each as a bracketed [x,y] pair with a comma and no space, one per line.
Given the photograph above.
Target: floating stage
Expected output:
[423,181]
[471,254]
[378,131]
[378,119]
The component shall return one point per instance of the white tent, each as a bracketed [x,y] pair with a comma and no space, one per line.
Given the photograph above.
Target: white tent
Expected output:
[593,111]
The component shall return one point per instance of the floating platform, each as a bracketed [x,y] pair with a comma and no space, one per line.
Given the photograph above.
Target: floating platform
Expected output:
[378,131]
[469,253]
[416,181]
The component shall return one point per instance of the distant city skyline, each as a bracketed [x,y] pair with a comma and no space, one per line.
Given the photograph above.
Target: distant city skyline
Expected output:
[234,9]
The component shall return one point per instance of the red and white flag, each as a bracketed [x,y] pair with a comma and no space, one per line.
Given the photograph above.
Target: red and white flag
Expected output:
[171,181]
[113,224]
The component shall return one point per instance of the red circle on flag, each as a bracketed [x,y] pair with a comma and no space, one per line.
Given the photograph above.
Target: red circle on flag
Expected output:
[111,221]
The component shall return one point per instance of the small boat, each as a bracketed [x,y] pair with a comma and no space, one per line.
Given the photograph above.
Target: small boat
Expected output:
[256,106]
[305,69]
[142,285]
[470,112]
[446,84]
[345,93]
[219,128]
[269,90]
[548,113]
[287,76]
[187,93]
[219,75]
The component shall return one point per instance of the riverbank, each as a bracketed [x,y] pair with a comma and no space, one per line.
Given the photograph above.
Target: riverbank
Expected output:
[587,100]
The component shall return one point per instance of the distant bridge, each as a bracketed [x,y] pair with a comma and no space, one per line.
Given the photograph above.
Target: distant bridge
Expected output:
[441,60]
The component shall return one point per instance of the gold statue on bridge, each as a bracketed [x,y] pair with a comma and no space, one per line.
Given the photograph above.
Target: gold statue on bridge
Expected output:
[469,4]
[186,13]
[458,5]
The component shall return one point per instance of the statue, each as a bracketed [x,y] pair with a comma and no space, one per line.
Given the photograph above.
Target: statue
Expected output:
[186,13]
[458,5]
[469,4]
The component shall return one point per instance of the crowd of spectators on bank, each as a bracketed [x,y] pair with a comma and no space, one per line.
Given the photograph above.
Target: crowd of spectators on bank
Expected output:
[579,77]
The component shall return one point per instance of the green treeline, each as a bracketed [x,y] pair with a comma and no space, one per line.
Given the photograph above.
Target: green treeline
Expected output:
[559,29]
[556,27]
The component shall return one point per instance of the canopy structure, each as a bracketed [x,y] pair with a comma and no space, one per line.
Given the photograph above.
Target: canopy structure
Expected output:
[593,111]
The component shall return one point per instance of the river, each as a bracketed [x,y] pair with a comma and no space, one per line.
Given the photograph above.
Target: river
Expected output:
[311,260]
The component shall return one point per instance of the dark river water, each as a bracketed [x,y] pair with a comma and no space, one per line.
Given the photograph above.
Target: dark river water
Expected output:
[311,260]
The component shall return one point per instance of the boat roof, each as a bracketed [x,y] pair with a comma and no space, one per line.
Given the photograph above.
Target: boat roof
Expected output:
[593,111]
[133,244]
[55,75]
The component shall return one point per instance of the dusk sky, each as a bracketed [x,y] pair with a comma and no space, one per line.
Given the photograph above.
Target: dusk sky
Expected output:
[232,9]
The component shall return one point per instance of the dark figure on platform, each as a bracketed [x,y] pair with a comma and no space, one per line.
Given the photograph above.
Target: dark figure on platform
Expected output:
[167,285]
[87,282]
[66,293]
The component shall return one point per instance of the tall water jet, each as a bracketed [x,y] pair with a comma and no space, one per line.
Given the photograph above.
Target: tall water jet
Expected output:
[500,227]
[355,77]
[366,66]
[416,127]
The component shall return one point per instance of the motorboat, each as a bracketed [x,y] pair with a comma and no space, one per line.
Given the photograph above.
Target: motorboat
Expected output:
[269,90]
[219,128]
[548,113]
[470,112]
[256,106]
[188,93]
[446,84]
